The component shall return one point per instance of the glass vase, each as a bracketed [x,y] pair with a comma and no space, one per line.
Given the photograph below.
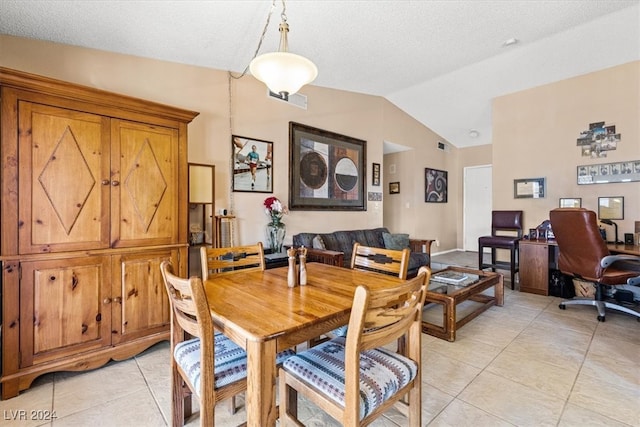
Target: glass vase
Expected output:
[276,230]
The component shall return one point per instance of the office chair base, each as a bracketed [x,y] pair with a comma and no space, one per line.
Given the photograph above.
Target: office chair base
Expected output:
[600,305]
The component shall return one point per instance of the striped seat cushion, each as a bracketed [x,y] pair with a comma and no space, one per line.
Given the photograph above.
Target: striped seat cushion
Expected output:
[382,373]
[230,361]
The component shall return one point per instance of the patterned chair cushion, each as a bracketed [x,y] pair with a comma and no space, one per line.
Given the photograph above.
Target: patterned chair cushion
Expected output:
[230,363]
[382,373]
[341,331]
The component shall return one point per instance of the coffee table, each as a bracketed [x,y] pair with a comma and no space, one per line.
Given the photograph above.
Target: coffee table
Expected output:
[450,295]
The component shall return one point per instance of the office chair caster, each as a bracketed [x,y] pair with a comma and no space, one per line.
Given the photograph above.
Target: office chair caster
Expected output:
[562,307]
[600,318]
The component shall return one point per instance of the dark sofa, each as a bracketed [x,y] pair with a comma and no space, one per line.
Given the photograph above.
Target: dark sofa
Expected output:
[336,247]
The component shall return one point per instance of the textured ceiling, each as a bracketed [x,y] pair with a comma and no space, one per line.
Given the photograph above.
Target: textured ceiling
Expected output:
[440,61]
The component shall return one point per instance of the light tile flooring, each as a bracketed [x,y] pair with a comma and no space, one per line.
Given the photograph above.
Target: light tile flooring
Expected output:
[525,364]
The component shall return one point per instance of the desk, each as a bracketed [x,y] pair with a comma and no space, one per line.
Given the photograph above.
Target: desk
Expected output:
[624,249]
[259,312]
[537,257]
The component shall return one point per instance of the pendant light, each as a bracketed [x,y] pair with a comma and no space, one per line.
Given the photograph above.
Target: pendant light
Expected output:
[283,72]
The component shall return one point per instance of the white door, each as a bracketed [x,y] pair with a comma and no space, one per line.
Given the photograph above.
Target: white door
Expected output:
[477,205]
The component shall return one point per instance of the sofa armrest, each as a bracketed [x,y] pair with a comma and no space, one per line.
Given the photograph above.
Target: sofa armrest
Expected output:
[421,245]
[325,256]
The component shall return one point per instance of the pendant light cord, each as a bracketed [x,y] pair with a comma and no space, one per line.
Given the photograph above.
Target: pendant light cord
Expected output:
[264,31]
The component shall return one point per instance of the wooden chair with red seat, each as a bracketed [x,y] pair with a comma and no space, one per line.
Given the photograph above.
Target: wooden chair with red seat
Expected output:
[353,378]
[584,255]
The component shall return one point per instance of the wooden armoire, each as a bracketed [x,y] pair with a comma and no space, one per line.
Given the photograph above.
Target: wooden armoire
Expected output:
[93,199]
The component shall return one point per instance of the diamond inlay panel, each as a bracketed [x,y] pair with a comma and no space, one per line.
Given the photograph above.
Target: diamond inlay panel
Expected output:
[146,185]
[67,180]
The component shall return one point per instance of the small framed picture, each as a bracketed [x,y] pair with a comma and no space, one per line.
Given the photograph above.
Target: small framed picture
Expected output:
[611,207]
[394,188]
[571,202]
[542,233]
[533,233]
[375,174]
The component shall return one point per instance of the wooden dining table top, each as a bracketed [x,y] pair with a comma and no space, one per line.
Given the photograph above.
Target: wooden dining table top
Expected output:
[261,304]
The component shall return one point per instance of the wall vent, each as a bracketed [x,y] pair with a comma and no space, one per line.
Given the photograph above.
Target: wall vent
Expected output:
[296,99]
[443,146]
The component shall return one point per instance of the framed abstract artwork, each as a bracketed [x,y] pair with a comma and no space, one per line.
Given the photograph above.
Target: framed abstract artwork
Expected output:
[327,171]
[394,188]
[435,185]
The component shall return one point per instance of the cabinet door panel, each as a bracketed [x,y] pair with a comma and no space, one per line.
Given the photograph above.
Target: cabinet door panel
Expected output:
[64,159]
[145,171]
[534,267]
[65,307]
[140,304]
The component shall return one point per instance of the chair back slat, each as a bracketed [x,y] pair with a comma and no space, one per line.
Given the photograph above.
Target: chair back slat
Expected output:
[380,260]
[381,316]
[189,306]
[231,259]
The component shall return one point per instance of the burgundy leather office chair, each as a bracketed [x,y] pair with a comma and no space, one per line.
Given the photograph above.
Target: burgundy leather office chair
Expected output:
[502,222]
[584,254]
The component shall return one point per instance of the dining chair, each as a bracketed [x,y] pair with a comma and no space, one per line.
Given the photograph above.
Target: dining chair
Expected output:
[380,260]
[354,378]
[230,259]
[207,365]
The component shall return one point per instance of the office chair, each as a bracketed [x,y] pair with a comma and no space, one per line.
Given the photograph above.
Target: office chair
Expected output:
[502,222]
[584,255]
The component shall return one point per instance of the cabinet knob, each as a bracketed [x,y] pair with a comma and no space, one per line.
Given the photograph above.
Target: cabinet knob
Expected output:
[106,182]
[106,301]
[115,183]
[117,300]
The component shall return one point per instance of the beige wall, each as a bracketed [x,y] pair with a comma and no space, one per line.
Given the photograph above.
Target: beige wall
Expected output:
[535,132]
[534,135]
[370,118]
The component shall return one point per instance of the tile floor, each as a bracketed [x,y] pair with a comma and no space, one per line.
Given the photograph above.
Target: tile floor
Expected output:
[525,364]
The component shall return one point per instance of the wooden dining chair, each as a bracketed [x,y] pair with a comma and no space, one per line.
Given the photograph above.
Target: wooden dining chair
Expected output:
[208,366]
[354,379]
[230,259]
[380,260]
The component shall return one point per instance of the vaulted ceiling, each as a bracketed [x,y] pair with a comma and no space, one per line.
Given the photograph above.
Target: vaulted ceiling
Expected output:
[440,61]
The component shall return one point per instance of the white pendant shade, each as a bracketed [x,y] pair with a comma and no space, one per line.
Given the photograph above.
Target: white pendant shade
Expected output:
[283,72]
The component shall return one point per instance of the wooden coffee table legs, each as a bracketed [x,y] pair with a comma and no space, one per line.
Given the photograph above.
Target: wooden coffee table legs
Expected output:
[450,322]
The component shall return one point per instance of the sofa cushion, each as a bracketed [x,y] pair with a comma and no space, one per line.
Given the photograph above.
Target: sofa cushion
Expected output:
[318,243]
[342,241]
[396,242]
[304,239]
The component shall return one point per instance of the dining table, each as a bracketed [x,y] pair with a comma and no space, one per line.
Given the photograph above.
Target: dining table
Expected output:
[262,314]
